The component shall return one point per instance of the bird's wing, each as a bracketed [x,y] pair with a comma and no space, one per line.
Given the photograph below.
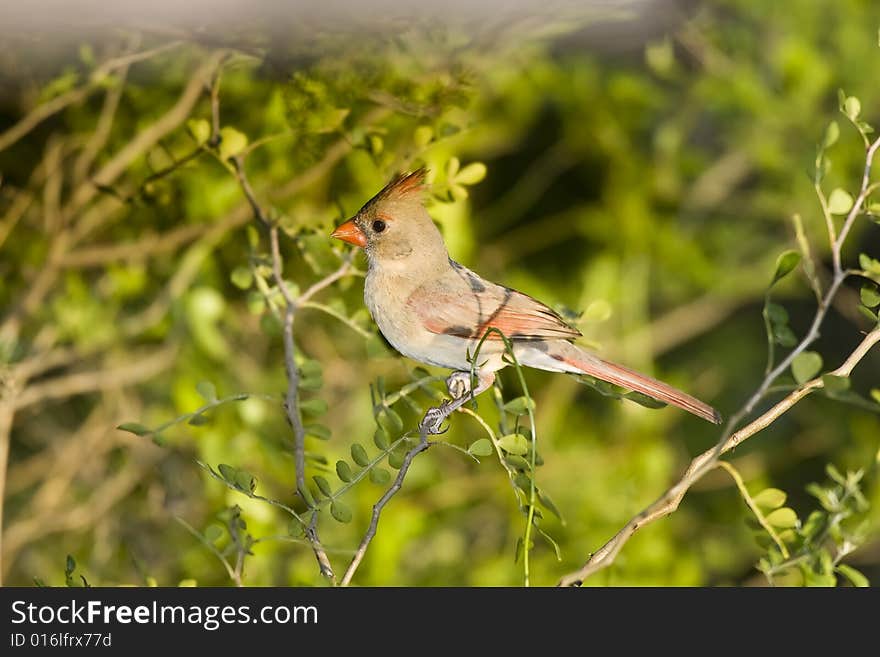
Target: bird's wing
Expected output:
[463,304]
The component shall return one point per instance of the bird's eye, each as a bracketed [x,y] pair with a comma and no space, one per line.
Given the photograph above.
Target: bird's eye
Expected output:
[378,226]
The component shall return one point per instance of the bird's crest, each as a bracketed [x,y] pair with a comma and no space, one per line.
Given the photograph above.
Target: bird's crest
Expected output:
[404,186]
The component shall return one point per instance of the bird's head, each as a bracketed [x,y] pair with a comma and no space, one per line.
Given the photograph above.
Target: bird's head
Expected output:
[394,225]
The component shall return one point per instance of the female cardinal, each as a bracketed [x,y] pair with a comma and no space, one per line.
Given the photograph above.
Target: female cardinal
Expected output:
[435,310]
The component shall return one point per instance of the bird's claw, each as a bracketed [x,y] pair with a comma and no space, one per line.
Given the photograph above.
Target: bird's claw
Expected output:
[434,417]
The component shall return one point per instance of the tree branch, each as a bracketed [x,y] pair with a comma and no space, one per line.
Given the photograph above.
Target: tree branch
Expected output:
[670,500]
[422,445]
[708,460]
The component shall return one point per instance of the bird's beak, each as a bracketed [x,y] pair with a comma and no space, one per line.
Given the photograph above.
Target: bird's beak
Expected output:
[349,232]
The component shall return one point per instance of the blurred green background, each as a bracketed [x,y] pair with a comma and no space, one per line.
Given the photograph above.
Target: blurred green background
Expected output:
[641,166]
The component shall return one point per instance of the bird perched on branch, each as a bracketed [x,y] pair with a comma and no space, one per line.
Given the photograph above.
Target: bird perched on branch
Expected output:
[436,311]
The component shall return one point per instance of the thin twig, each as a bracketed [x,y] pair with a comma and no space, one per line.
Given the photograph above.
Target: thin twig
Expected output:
[422,445]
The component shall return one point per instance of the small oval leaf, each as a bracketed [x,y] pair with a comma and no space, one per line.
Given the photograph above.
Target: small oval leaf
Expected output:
[839,202]
[770,498]
[340,512]
[134,427]
[805,366]
[323,485]
[381,439]
[519,406]
[319,431]
[481,447]
[784,518]
[380,476]
[514,443]
[359,455]
[785,264]
[207,391]
[343,471]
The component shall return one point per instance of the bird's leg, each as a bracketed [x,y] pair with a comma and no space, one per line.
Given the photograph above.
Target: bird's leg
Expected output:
[459,384]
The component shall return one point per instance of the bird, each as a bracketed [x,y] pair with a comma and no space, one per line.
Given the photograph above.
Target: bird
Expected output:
[436,311]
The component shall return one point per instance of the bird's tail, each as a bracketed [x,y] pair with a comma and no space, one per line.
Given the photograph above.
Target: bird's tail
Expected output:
[572,359]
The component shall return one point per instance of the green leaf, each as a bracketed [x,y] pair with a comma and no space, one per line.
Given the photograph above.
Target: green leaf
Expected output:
[835,384]
[232,142]
[198,420]
[875,394]
[855,577]
[359,455]
[769,499]
[784,518]
[549,505]
[869,264]
[805,366]
[481,447]
[776,313]
[245,481]
[784,336]
[390,420]
[517,462]
[310,383]
[318,431]
[242,277]
[313,406]
[458,192]
[213,533]
[452,167]
[870,294]
[380,476]
[852,107]
[598,311]
[832,132]
[868,314]
[323,485]
[228,472]
[70,565]
[340,512]
[514,443]
[200,130]
[395,458]
[814,525]
[519,406]
[310,367]
[471,174]
[839,202]
[381,439]
[785,264]
[135,428]
[207,391]
[343,471]
[643,399]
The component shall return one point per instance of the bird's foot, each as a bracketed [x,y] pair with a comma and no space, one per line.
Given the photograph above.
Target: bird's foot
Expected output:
[434,417]
[458,384]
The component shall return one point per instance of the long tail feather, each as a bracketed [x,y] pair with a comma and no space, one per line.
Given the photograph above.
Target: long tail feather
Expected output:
[624,377]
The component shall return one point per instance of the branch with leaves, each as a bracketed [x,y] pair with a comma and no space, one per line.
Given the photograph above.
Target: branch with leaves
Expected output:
[805,365]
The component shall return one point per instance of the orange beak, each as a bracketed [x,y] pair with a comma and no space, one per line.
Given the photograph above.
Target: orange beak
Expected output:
[349,232]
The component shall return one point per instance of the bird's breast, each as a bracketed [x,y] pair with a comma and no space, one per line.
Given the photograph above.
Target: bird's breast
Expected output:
[387,298]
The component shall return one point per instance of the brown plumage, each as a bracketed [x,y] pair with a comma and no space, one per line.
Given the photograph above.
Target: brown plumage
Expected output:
[435,310]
